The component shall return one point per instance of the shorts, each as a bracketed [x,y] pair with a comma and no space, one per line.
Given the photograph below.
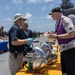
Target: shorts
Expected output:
[68,61]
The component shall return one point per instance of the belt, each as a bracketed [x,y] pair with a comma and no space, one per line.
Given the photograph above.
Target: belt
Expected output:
[17,53]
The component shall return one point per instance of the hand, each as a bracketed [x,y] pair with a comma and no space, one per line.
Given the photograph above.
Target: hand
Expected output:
[46,34]
[50,35]
[30,40]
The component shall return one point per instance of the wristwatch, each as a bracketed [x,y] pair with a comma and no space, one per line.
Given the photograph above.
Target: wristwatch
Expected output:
[57,37]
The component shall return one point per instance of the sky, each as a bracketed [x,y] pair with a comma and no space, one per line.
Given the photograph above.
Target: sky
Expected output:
[36,12]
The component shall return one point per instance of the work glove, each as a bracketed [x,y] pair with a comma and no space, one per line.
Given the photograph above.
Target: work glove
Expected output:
[31,46]
[30,41]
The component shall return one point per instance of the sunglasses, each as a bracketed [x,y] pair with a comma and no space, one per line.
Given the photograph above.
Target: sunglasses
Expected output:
[26,25]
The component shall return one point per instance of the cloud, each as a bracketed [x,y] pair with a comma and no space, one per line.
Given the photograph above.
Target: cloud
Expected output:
[17,1]
[33,1]
[49,17]
[28,16]
[46,17]
[44,8]
[48,0]
[7,20]
[7,8]
[38,1]
[30,21]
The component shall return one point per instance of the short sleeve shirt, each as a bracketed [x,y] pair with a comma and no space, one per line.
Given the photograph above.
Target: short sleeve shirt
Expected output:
[15,33]
[69,27]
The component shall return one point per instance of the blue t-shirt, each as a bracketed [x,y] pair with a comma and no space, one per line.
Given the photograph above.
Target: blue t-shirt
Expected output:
[30,33]
[15,33]
[27,34]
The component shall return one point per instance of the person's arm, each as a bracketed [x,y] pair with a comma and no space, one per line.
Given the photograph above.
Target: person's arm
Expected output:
[69,28]
[20,42]
[67,35]
[17,42]
[61,36]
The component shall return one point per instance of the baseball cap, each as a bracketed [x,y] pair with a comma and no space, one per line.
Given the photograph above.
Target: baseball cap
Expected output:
[18,16]
[57,9]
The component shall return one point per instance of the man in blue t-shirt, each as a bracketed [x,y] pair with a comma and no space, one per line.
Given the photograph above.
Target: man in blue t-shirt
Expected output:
[27,34]
[16,44]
